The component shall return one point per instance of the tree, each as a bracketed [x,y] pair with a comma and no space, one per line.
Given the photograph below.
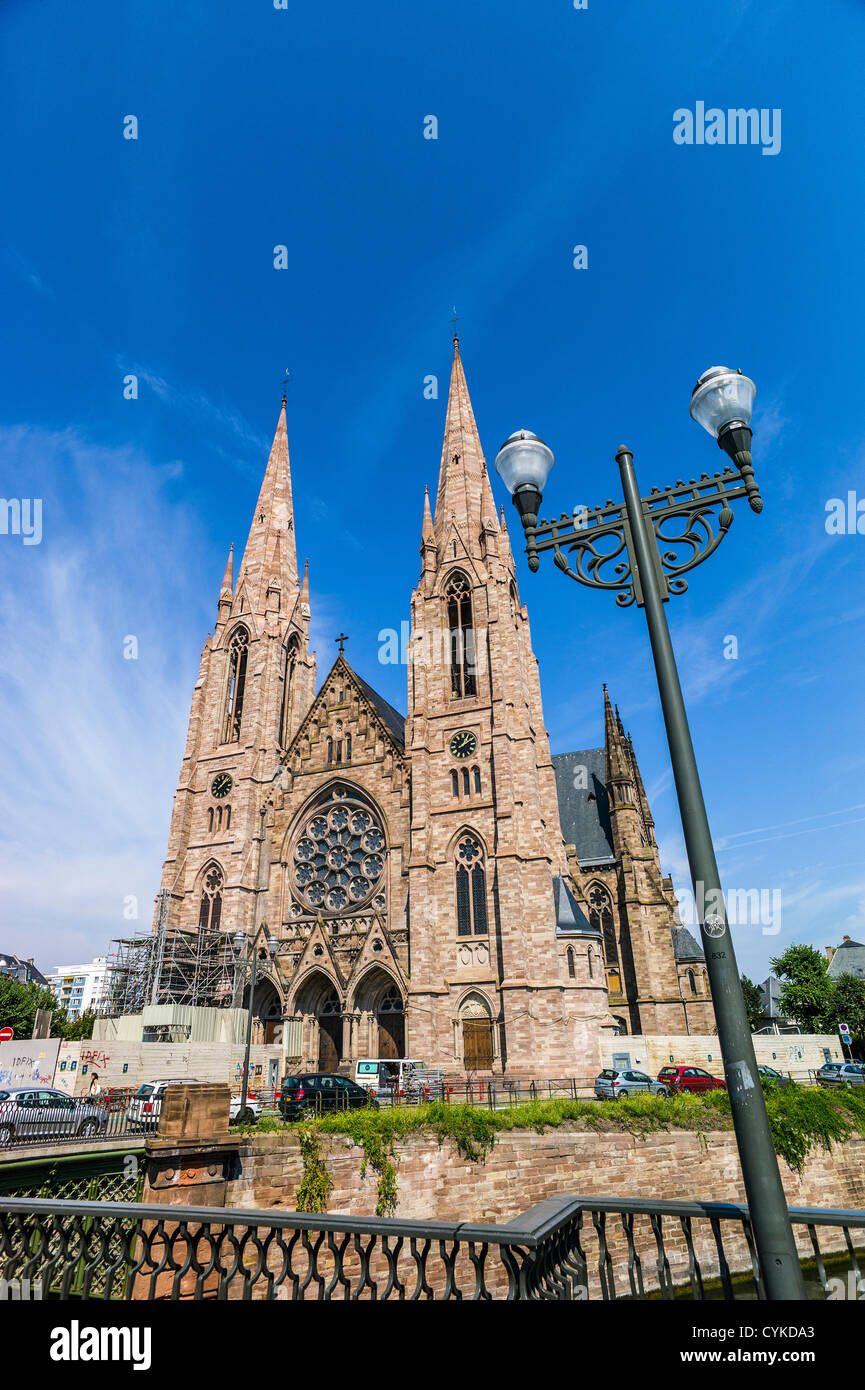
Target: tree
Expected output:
[806,988]
[753,1004]
[78,1029]
[18,1005]
[847,1004]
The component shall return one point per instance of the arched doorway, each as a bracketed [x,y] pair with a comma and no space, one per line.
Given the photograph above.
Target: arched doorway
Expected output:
[329,1033]
[319,1005]
[390,1016]
[381,1006]
[477,1030]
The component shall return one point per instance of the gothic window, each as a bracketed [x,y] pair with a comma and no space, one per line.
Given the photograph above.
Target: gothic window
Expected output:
[219,817]
[392,1002]
[572,966]
[339,750]
[471,888]
[338,858]
[228,817]
[210,818]
[288,679]
[514,601]
[601,918]
[210,911]
[462,637]
[330,750]
[455,783]
[692,981]
[237,655]
[476,773]
[348,748]
[466,784]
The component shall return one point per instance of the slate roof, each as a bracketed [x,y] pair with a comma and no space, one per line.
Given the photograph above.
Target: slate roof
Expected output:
[570,918]
[22,970]
[584,810]
[849,959]
[686,946]
[392,717]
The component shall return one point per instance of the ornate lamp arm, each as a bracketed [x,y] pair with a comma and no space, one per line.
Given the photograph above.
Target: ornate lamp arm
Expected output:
[688,520]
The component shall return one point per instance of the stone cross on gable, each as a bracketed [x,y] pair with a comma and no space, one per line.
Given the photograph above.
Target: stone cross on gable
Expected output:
[341,639]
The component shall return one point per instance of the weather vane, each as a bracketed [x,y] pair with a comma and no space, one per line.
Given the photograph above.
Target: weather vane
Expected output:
[455,320]
[285,380]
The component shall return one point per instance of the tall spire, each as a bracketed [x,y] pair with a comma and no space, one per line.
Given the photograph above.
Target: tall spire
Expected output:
[617,770]
[463,490]
[271,554]
[228,578]
[427,528]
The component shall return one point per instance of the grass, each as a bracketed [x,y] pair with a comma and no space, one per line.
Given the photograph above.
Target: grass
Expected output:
[800,1118]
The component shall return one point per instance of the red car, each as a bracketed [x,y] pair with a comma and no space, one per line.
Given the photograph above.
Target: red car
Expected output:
[690,1079]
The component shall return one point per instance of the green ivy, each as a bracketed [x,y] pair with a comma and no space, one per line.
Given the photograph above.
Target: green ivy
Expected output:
[800,1119]
[317,1183]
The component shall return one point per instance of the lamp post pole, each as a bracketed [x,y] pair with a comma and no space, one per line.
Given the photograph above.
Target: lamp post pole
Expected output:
[767,1204]
[629,549]
[241,1117]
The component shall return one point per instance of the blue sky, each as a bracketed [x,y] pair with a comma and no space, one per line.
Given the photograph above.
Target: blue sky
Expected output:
[304,127]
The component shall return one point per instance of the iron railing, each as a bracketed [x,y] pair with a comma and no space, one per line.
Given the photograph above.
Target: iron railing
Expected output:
[563,1249]
[72,1119]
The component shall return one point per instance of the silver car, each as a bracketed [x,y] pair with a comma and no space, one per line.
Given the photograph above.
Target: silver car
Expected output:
[36,1112]
[613,1084]
[841,1074]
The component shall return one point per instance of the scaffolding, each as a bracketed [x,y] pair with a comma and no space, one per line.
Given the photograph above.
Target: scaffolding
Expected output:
[170,966]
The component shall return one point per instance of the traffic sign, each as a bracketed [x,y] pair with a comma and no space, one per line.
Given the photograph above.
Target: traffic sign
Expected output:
[843,1029]
[6,1034]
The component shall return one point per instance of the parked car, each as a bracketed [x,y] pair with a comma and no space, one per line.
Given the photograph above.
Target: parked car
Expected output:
[302,1095]
[144,1106]
[775,1078]
[841,1074]
[252,1103]
[690,1079]
[612,1084]
[26,1112]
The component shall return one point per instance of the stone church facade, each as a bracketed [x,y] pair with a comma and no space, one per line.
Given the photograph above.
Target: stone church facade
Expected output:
[438,885]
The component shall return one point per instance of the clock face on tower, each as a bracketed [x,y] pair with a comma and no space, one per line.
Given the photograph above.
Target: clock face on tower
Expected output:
[221,784]
[463,744]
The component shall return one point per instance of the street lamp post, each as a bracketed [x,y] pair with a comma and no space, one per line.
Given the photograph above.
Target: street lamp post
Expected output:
[241,939]
[641,550]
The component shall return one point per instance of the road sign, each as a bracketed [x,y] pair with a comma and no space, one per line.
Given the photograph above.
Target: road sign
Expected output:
[6,1034]
[843,1029]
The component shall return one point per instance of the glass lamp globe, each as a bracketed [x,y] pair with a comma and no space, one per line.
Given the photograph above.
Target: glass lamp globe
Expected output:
[239,941]
[722,397]
[524,461]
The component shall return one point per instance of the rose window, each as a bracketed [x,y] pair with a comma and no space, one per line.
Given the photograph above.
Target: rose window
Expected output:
[338,859]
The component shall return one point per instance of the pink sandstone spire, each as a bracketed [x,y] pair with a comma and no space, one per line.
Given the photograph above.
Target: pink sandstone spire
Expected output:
[464,488]
[271,554]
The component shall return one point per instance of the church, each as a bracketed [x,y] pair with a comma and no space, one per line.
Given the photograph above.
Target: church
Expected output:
[434,885]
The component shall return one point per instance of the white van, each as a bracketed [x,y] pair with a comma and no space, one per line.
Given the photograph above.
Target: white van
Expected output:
[387,1074]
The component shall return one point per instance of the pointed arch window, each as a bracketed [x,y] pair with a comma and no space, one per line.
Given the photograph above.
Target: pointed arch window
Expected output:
[476,773]
[471,888]
[572,965]
[455,783]
[461,636]
[601,918]
[692,981]
[291,651]
[237,657]
[210,911]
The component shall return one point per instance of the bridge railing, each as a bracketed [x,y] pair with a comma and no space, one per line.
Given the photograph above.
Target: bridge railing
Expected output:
[563,1249]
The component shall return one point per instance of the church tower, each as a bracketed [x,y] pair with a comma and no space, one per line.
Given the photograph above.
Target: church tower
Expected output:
[255,685]
[506,969]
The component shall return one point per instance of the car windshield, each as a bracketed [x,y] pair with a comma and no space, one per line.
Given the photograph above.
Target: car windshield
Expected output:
[144,1091]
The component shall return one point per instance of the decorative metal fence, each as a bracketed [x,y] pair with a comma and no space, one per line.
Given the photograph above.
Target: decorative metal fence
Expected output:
[563,1249]
[48,1117]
